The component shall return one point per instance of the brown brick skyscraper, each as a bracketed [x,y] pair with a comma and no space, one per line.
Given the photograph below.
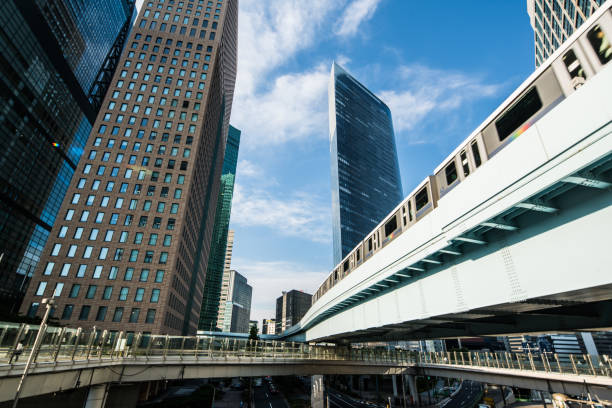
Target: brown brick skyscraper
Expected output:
[129,248]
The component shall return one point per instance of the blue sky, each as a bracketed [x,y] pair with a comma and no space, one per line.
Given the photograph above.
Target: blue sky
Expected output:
[442,67]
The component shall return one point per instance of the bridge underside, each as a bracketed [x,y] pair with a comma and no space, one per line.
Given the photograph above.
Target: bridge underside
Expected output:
[556,313]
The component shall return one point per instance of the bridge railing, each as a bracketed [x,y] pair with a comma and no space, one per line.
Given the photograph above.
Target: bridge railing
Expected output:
[67,344]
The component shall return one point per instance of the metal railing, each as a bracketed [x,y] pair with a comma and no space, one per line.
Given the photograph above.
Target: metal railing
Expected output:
[67,344]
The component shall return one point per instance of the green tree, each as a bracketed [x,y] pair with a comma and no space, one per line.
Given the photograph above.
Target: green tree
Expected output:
[253,333]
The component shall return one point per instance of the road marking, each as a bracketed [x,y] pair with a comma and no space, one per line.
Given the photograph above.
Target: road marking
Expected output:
[270,404]
[267,396]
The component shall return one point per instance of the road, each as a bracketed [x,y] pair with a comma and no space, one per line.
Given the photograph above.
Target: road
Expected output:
[467,395]
[264,399]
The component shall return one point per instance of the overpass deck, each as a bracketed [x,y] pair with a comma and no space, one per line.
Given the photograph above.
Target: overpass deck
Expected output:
[71,359]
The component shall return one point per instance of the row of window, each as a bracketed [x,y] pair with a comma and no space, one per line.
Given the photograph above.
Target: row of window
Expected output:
[113,272]
[155,88]
[136,147]
[108,237]
[119,201]
[118,255]
[123,187]
[107,292]
[182,30]
[100,314]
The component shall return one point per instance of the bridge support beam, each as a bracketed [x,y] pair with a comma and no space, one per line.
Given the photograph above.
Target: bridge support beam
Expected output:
[96,397]
[317,392]
[411,380]
[394,381]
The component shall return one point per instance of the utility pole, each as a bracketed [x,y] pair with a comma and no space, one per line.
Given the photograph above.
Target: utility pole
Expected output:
[39,337]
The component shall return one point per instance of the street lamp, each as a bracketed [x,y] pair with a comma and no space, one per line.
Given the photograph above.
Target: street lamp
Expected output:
[41,332]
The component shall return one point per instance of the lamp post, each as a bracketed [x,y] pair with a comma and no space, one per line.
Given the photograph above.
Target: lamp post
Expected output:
[39,337]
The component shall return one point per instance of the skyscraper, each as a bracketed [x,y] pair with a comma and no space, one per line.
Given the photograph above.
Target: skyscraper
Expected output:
[216,259]
[51,53]
[553,21]
[290,308]
[130,249]
[224,294]
[366,182]
[237,310]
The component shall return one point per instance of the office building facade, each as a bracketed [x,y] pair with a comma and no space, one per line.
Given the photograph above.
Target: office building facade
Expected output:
[237,310]
[366,182]
[553,21]
[224,295]
[129,249]
[268,326]
[50,56]
[218,247]
[290,308]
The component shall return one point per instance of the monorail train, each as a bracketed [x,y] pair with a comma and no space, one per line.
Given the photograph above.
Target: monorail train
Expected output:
[581,57]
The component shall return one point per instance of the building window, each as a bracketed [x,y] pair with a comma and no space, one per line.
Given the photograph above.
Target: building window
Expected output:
[159,276]
[65,269]
[118,315]
[67,313]
[84,312]
[74,291]
[150,318]
[91,291]
[139,295]
[144,275]
[41,288]
[108,291]
[49,268]
[155,295]
[123,293]
[58,289]
[101,315]
[134,315]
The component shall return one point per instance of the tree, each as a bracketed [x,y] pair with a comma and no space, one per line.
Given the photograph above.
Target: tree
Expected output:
[253,333]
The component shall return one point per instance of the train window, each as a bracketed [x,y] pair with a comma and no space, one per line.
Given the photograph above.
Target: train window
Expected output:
[390,226]
[358,255]
[369,244]
[464,163]
[336,275]
[573,65]
[346,265]
[410,211]
[476,153]
[404,216]
[451,173]
[601,44]
[518,113]
[421,199]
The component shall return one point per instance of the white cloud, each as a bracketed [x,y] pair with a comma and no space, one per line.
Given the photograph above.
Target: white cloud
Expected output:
[269,279]
[295,107]
[422,91]
[356,13]
[296,214]
[248,169]
[271,32]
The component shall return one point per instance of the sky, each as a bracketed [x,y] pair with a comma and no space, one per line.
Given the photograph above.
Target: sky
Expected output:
[442,67]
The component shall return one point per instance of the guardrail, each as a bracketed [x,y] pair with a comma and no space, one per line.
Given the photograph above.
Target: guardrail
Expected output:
[67,344]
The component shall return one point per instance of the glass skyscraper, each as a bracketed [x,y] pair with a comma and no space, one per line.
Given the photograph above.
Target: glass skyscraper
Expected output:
[50,55]
[553,21]
[366,182]
[216,259]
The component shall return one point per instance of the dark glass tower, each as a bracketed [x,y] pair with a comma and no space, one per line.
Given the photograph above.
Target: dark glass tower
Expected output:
[50,55]
[216,259]
[366,182]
